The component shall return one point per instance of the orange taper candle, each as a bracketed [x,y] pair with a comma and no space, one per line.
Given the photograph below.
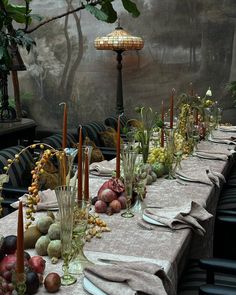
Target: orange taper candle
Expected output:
[172,108]
[64,130]
[86,176]
[163,121]
[118,149]
[20,242]
[80,166]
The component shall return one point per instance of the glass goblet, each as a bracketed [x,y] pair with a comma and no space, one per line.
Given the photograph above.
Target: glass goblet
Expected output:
[66,198]
[128,156]
[79,261]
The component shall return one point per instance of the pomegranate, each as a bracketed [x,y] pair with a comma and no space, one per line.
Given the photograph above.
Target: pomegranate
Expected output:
[116,206]
[107,195]
[37,263]
[100,206]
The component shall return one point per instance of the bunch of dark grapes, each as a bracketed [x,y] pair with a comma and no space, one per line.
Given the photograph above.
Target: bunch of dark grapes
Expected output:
[6,285]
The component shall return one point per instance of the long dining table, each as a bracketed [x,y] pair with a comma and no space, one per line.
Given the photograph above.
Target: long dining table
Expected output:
[129,242]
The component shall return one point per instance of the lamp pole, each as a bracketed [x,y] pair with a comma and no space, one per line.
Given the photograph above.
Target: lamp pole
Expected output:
[119,89]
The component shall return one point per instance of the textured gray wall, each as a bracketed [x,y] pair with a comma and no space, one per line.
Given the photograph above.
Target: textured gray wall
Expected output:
[185,40]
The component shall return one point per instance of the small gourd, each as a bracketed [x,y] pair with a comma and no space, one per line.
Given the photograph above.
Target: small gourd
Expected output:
[54,231]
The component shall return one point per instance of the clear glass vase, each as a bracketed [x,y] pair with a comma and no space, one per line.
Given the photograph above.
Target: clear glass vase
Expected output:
[66,199]
[79,261]
[128,156]
[170,159]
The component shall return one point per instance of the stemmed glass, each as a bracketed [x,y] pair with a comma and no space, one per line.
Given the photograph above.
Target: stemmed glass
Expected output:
[170,148]
[128,156]
[79,261]
[66,198]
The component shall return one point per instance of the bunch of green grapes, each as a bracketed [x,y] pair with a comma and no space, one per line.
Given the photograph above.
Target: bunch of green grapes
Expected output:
[179,141]
[157,154]
[184,118]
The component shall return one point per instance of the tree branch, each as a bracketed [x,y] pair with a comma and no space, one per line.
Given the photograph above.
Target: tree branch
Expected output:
[94,3]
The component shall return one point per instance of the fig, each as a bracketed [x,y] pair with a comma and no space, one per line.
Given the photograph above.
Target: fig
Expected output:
[10,244]
[54,231]
[42,245]
[116,206]
[32,282]
[54,249]
[107,195]
[52,282]
[44,223]
[100,206]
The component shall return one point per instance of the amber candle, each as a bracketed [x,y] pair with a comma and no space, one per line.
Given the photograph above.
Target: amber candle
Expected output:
[118,149]
[86,176]
[172,108]
[20,242]
[163,119]
[64,130]
[196,118]
[80,166]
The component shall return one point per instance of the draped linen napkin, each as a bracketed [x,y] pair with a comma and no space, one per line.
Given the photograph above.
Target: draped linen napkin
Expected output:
[192,176]
[215,151]
[103,168]
[227,128]
[47,200]
[177,218]
[209,177]
[225,141]
[130,278]
[211,156]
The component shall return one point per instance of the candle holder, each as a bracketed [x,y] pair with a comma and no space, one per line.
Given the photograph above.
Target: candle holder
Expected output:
[79,261]
[20,283]
[66,199]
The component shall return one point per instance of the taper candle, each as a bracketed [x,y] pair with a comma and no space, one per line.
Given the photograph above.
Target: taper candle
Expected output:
[163,121]
[64,130]
[172,108]
[86,175]
[80,166]
[20,241]
[196,118]
[118,149]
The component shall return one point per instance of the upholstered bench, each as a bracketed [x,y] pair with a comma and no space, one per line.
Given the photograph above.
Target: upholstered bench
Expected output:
[55,140]
[194,278]
[96,132]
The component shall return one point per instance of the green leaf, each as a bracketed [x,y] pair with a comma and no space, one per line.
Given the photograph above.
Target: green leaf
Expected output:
[18,17]
[108,9]
[16,8]
[100,15]
[131,7]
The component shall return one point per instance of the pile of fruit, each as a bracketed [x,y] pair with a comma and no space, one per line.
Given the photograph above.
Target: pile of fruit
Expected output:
[34,269]
[44,236]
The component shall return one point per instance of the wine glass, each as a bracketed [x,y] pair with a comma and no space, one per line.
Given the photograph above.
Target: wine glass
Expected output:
[170,149]
[128,156]
[66,198]
[79,261]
